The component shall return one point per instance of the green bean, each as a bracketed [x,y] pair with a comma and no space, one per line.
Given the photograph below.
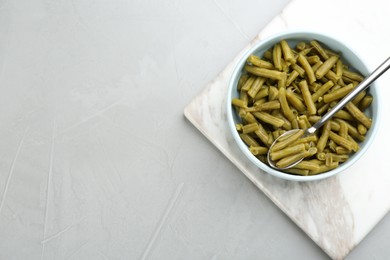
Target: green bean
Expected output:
[331,76]
[249,128]
[270,139]
[353,75]
[315,86]
[282,81]
[355,145]
[341,150]
[258,103]
[326,66]
[239,127]
[256,86]
[258,150]
[298,69]
[270,105]
[311,108]
[341,141]
[319,49]
[284,105]
[323,109]
[259,62]
[277,56]
[301,46]
[322,90]
[339,157]
[266,73]
[250,141]
[324,168]
[303,122]
[307,139]
[339,68]
[244,96]
[338,94]
[293,75]
[262,93]
[359,115]
[273,93]
[242,80]
[294,123]
[313,59]
[295,101]
[287,53]
[248,83]
[282,143]
[267,118]
[239,102]
[366,102]
[324,136]
[343,129]
[321,156]
[249,118]
[286,161]
[287,151]
[241,112]
[305,52]
[277,133]
[314,119]
[344,115]
[362,129]
[307,165]
[330,52]
[359,97]
[328,159]
[287,123]
[351,130]
[262,134]
[308,69]
[268,55]
[316,66]
[341,82]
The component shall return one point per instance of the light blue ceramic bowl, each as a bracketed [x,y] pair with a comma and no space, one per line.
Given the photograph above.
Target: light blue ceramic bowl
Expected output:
[348,56]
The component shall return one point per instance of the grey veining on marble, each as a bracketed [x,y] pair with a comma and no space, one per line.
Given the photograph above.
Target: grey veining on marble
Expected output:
[336,213]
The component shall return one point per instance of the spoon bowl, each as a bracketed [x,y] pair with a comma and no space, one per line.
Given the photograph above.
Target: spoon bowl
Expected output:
[271,162]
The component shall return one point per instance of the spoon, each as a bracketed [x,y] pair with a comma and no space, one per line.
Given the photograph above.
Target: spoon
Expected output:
[309,131]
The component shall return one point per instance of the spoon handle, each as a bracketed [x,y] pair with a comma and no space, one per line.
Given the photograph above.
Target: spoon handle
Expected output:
[362,86]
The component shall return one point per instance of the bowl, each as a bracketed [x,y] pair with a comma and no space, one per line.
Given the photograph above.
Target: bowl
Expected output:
[348,56]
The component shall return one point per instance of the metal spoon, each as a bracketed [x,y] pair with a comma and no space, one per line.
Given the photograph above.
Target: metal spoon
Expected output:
[362,86]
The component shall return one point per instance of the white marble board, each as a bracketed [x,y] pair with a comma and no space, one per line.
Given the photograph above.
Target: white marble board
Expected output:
[338,212]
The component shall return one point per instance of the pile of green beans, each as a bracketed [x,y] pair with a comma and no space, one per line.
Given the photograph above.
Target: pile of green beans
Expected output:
[291,88]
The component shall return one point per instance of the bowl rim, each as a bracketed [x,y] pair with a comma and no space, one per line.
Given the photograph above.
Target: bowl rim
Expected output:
[243,147]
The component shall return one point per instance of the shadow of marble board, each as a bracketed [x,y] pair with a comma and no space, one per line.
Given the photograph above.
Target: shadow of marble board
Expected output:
[336,213]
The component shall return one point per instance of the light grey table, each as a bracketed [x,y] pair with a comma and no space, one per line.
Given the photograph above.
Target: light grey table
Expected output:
[96,158]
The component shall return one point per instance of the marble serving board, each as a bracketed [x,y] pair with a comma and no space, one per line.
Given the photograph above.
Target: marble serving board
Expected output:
[338,212]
